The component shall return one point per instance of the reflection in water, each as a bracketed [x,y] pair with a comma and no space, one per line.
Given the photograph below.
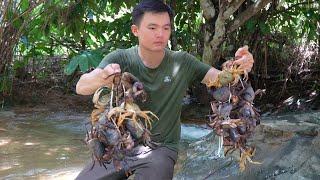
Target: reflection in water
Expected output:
[4,141]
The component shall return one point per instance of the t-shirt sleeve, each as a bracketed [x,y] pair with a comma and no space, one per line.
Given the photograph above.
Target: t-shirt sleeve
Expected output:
[113,57]
[196,69]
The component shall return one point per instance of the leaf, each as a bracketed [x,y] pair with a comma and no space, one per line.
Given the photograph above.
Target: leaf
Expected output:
[93,4]
[24,5]
[17,21]
[96,58]
[72,66]
[251,25]
[84,62]
[264,28]
[94,62]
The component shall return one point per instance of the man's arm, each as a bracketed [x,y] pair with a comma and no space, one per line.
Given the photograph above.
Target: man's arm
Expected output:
[90,82]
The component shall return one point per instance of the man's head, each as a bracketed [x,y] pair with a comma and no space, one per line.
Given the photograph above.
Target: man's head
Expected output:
[153,6]
[152,24]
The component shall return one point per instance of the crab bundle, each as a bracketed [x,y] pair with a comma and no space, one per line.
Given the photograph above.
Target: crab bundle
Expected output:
[234,116]
[117,123]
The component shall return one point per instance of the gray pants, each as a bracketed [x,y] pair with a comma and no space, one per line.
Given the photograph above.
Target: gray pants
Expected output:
[155,164]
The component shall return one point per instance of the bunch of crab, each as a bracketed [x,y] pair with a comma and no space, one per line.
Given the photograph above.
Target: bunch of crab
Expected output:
[234,118]
[117,123]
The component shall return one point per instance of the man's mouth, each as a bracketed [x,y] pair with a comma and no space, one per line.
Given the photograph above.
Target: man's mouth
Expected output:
[159,43]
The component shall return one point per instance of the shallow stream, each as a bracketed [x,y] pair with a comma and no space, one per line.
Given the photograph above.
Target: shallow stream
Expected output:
[39,144]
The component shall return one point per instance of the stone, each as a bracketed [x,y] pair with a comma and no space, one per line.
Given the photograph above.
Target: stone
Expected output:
[287,146]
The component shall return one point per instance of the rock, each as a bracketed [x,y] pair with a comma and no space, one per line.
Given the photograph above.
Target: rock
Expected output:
[287,146]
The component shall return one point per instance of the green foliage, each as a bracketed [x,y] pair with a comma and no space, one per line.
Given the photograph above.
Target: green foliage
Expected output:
[188,22]
[296,19]
[84,61]
[78,28]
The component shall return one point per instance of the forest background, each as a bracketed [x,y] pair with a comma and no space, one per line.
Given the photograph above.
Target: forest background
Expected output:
[45,45]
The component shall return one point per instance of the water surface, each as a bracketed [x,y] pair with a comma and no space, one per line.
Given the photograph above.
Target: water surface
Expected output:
[39,144]
[42,145]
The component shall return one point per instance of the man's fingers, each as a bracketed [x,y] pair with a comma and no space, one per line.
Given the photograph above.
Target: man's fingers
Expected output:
[116,68]
[241,51]
[112,68]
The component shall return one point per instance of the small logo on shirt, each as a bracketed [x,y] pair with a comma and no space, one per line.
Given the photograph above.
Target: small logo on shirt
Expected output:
[167,79]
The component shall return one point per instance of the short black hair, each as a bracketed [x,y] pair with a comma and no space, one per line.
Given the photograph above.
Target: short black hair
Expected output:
[156,6]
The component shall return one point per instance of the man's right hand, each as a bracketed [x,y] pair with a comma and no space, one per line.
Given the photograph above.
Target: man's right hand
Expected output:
[109,70]
[107,74]
[90,82]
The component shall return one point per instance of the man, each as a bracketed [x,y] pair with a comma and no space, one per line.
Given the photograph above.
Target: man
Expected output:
[166,75]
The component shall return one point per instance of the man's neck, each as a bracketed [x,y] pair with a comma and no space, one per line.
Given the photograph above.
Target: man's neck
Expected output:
[151,59]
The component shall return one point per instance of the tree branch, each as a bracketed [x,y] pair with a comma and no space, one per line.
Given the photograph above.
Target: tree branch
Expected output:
[247,14]
[232,7]
[293,6]
[208,9]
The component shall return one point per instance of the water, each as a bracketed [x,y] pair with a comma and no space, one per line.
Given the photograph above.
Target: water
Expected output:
[42,145]
[39,144]
[191,132]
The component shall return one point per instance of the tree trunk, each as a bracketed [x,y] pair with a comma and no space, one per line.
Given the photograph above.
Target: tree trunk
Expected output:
[219,23]
[11,28]
[173,38]
[7,43]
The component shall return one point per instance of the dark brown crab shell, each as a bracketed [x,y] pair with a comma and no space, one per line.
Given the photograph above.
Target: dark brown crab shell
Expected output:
[97,148]
[136,129]
[242,129]
[127,141]
[246,111]
[109,136]
[221,94]
[234,135]
[139,94]
[225,110]
[128,79]
[248,94]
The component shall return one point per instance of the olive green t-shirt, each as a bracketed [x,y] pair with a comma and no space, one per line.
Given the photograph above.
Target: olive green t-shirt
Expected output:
[165,85]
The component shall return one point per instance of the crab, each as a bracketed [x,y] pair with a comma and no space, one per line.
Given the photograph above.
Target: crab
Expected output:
[101,99]
[222,94]
[233,69]
[95,146]
[131,111]
[234,116]
[242,64]
[117,122]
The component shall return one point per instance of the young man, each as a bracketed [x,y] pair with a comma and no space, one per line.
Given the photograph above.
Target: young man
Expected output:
[166,75]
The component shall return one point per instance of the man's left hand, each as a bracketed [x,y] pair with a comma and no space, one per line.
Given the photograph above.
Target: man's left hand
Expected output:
[244,59]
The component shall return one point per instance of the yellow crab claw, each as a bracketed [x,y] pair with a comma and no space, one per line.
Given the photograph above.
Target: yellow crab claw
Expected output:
[246,156]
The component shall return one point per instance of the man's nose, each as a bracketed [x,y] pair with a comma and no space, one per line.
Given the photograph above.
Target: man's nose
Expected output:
[159,33]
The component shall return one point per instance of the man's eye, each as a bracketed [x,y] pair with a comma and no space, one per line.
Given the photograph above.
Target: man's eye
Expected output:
[152,28]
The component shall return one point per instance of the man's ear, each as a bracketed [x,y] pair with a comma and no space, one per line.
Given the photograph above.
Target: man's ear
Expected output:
[134,30]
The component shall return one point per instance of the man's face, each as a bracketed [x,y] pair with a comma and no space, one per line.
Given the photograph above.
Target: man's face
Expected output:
[154,31]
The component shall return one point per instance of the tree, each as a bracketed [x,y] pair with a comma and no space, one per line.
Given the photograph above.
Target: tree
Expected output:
[15,16]
[223,18]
